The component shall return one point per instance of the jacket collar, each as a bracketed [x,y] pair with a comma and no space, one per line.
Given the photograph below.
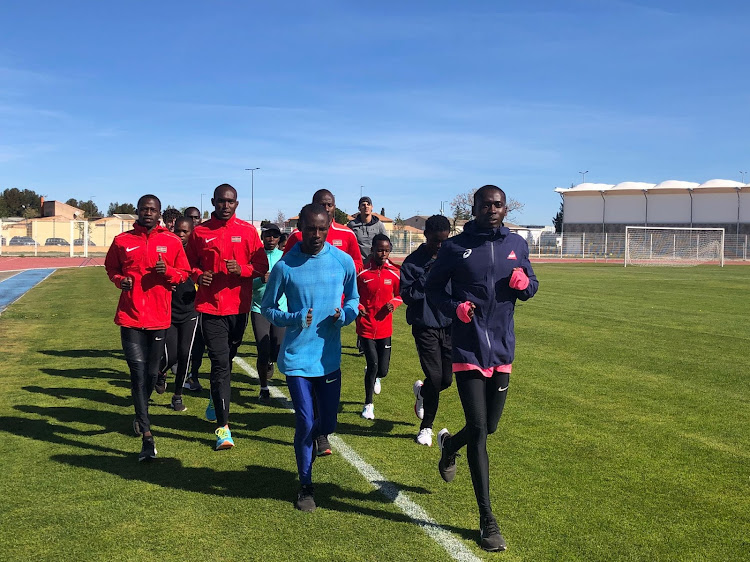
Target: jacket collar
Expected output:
[230,221]
[143,231]
[472,229]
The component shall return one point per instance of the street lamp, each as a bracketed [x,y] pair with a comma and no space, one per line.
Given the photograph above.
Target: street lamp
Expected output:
[442,207]
[252,194]
[361,187]
[202,194]
[583,176]
[743,175]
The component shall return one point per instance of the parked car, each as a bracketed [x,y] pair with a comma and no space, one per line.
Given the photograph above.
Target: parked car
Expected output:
[56,242]
[79,242]
[22,241]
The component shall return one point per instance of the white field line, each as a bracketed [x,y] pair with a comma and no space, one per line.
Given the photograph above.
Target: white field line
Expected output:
[454,547]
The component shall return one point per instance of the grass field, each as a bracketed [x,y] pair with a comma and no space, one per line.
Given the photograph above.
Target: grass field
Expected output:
[626,436]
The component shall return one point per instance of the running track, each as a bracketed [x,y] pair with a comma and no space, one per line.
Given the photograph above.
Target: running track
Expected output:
[14,287]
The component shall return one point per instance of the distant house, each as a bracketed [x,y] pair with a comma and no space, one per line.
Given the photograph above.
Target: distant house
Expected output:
[291,223]
[61,211]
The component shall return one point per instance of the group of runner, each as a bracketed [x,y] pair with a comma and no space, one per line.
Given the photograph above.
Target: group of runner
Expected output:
[201,283]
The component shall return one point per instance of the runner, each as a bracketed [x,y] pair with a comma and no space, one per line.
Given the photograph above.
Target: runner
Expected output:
[429,326]
[199,347]
[365,226]
[282,240]
[339,237]
[169,217]
[194,214]
[226,254]
[144,263]
[182,333]
[268,337]
[378,287]
[313,275]
[489,269]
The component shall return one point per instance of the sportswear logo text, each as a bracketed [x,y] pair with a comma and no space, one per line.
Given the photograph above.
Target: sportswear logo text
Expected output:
[467,253]
[210,239]
[131,249]
[512,255]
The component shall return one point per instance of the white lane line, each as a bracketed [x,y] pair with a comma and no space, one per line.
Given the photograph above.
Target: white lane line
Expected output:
[454,547]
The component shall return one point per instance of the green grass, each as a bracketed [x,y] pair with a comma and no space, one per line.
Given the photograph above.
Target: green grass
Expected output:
[626,436]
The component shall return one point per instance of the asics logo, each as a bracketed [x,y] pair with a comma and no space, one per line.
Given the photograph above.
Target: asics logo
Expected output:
[467,253]
[210,239]
[131,249]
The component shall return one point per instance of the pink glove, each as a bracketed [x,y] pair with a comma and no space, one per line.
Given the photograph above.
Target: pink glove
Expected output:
[519,280]
[462,312]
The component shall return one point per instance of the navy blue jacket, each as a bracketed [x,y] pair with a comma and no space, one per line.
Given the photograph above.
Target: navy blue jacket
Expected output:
[479,264]
[413,275]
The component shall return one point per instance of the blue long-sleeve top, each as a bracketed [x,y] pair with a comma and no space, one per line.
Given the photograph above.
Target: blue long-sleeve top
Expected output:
[314,281]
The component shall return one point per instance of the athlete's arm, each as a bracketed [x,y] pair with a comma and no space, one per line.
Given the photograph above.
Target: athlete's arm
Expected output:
[269,306]
[533,286]
[437,280]
[351,297]
[192,251]
[113,267]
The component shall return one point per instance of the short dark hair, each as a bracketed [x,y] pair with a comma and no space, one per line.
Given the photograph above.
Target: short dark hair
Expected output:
[485,188]
[379,238]
[309,210]
[170,214]
[321,193]
[283,237]
[179,220]
[188,209]
[146,197]
[222,187]
[437,223]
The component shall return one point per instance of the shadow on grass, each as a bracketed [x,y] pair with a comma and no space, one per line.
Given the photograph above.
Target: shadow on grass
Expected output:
[98,396]
[84,353]
[87,373]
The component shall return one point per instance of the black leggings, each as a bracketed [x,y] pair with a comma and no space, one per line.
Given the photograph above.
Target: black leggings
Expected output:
[143,351]
[268,342]
[434,349]
[178,350]
[483,399]
[378,357]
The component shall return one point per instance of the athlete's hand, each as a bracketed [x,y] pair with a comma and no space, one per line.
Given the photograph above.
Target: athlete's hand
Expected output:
[308,318]
[336,315]
[465,311]
[266,276]
[389,307]
[205,278]
[363,313]
[126,284]
[233,267]
[470,312]
[160,267]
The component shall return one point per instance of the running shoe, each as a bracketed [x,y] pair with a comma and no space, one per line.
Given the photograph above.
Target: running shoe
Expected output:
[161,384]
[447,464]
[210,411]
[224,439]
[368,412]
[177,404]
[137,427]
[305,499]
[376,388]
[424,437]
[419,403]
[489,534]
[264,397]
[148,450]
[324,447]
[192,385]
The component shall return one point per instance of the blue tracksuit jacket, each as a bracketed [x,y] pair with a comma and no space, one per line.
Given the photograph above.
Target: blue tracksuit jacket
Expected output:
[479,263]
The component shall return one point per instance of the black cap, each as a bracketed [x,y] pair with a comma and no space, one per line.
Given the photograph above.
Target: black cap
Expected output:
[271,226]
[365,198]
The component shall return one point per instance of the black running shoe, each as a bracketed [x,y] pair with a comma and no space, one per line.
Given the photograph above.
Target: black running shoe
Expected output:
[192,385]
[324,447]
[447,464]
[148,451]
[305,500]
[489,534]
[264,397]
[161,384]
[177,404]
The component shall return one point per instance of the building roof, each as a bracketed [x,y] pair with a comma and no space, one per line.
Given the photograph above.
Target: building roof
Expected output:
[668,185]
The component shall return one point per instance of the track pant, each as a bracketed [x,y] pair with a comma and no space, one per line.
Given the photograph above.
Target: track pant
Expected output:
[178,350]
[267,338]
[143,351]
[483,399]
[378,357]
[199,348]
[304,391]
[223,336]
[434,349]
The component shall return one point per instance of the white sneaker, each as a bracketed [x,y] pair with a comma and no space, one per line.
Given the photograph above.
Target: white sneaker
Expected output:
[424,437]
[368,412]
[376,388]
[419,404]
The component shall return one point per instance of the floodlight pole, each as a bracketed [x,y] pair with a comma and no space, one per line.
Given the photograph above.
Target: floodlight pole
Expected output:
[202,194]
[583,176]
[743,175]
[252,194]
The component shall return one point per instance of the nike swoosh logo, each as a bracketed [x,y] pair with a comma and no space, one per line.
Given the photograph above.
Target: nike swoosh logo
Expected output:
[330,381]
[367,280]
[387,346]
[210,239]
[158,339]
[501,389]
[131,249]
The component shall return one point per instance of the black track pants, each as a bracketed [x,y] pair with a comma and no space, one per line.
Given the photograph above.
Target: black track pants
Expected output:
[434,349]
[178,350]
[143,351]
[378,357]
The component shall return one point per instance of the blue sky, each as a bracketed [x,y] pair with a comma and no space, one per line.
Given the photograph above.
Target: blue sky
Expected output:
[415,101]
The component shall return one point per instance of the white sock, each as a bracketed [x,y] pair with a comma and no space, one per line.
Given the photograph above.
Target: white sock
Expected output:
[264,388]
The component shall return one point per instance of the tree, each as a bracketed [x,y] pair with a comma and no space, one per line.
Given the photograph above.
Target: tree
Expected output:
[121,208]
[340,216]
[280,218]
[205,215]
[557,220]
[264,223]
[17,203]
[463,202]
[89,208]
[398,222]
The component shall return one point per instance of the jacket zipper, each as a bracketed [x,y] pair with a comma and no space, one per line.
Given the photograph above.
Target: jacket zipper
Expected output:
[492,301]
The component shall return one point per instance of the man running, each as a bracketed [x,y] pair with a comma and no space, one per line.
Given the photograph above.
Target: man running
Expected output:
[226,254]
[489,269]
[194,214]
[313,275]
[199,347]
[169,217]
[339,237]
[144,263]
[365,226]
[430,327]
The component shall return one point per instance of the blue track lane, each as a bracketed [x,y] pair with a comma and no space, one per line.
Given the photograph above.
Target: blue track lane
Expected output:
[13,288]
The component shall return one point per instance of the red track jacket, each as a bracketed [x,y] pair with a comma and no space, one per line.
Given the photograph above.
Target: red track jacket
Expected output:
[209,246]
[339,236]
[377,286]
[148,305]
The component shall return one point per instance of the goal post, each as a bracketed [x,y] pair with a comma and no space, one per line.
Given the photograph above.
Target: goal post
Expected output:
[662,245]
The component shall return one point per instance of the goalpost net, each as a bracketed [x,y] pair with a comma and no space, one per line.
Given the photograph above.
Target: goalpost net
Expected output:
[654,245]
